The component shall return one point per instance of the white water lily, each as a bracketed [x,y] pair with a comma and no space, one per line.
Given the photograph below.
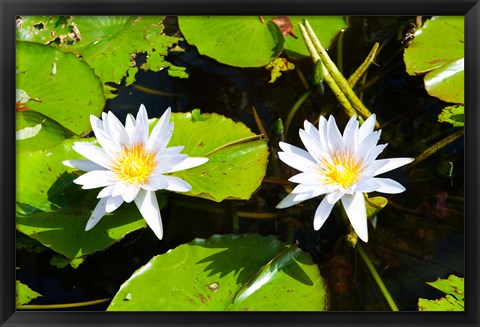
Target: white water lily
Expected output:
[341,167]
[130,165]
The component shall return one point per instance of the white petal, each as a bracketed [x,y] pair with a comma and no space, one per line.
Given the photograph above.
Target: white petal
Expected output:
[167,162]
[366,128]
[140,135]
[146,202]
[368,185]
[93,153]
[96,123]
[388,185]
[321,214]
[390,164]
[334,137]
[176,184]
[322,132]
[300,197]
[95,178]
[305,178]
[85,165]
[161,133]
[188,163]
[131,193]
[373,153]
[156,182]
[300,159]
[97,214]
[350,133]
[119,188]
[305,188]
[106,192]
[107,143]
[117,131]
[357,214]
[287,201]
[312,131]
[113,203]
[368,144]
[130,125]
[333,197]
[313,146]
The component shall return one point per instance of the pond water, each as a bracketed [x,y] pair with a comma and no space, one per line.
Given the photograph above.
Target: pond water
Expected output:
[418,237]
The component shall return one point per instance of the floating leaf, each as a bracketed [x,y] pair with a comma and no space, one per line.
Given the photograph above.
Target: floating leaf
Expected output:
[237,157]
[325,27]
[24,294]
[36,132]
[42,179]
[241,41]
[454,115]
[61,261]
[69,96]
[437,50]
[47,29]
[225,273]
[453,301]
[278,66]
[63,230]
[110,44]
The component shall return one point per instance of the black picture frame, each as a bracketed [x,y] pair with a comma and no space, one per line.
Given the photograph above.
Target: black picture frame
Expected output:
[11,8]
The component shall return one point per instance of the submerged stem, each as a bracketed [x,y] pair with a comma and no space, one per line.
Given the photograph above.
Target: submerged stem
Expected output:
[377,278]
[437,146]
[60,306]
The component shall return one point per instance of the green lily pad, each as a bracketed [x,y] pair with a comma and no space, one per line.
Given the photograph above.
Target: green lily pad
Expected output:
[241,41]
[64,87]
[46,29]
[43,181]
[437,50]
[63,230]
[454,115]
[237,158]
[24,294]
[447,82]
[325,27]
[226,273]
[35,131]
[110,45]
[453,287]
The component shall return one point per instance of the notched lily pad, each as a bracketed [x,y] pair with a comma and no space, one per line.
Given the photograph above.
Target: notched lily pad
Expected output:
[24,294]
[64,87]
[454,115]
[226,273]
[437,50]
[237,157]
[241,41]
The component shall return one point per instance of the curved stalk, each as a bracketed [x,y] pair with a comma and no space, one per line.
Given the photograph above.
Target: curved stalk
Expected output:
[60,306]
[377,278]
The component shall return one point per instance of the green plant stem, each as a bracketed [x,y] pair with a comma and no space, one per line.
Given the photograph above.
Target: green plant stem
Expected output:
[240,141]
[337,91]
[377,278]
[340,80]
[60,306]
[294,109]
[360,71]
[437,146]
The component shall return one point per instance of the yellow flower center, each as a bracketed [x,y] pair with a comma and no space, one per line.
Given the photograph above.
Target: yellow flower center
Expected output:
[342,169]
[134,164]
